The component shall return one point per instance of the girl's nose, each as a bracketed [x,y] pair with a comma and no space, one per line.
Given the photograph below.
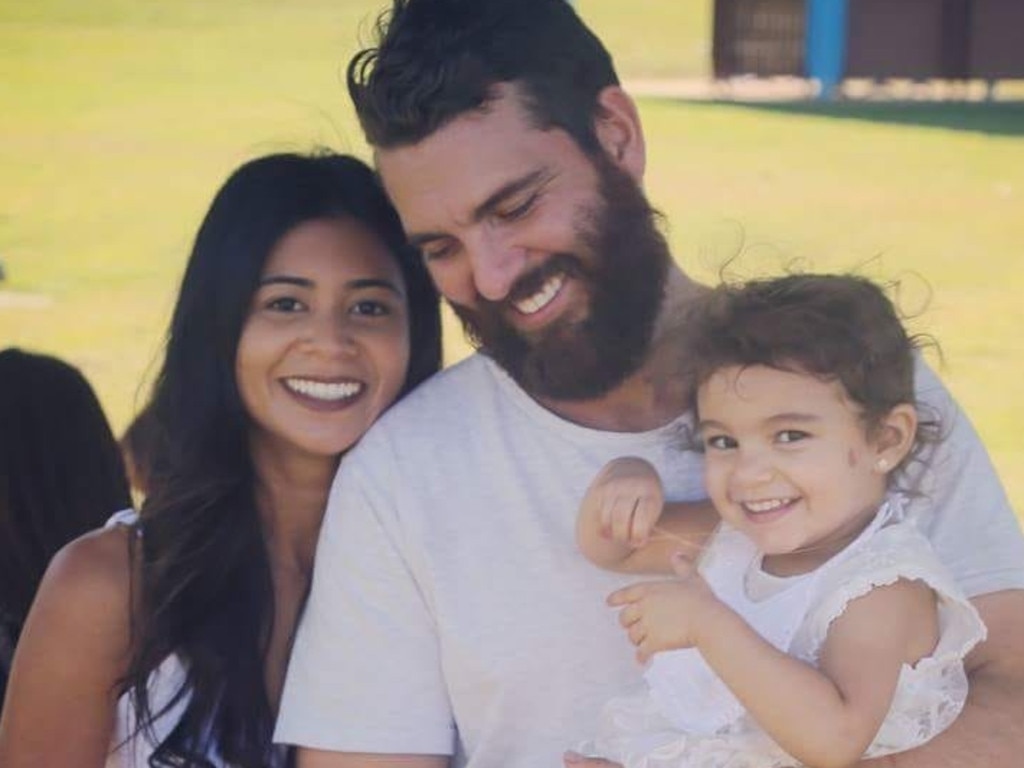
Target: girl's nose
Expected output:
[753,468]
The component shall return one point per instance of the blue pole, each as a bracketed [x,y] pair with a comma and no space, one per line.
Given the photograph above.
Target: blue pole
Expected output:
[825,44]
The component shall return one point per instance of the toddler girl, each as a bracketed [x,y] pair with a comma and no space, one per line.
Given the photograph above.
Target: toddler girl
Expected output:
[809,622]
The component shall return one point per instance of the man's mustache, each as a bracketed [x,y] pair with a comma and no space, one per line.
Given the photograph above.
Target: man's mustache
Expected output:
[526,285]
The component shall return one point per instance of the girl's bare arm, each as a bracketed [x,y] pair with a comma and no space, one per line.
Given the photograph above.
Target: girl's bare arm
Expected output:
[827,717]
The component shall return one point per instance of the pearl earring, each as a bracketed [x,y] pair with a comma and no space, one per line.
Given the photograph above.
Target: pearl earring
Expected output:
[882,465]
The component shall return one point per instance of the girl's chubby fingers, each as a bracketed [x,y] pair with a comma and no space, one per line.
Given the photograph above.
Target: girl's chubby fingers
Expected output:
[643,652]
[636,633]
[605,514]
[638,528]
[626,595]
[611,526]
[683,564]
[625,515]
[645,517]
[629,615]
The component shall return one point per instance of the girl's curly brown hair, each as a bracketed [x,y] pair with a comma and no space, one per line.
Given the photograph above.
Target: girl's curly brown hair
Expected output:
[840,328]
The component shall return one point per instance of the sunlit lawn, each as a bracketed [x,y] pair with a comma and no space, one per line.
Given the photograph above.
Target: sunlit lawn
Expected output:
[120,118]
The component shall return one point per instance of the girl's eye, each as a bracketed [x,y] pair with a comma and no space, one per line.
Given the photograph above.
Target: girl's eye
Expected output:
[285,304]
[719,442]
[791,436]
[368,308]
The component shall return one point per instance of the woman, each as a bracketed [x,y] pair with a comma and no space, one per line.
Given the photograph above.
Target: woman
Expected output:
[60,475]
[302,316]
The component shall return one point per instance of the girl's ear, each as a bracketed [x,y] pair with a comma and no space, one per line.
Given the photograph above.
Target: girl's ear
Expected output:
[619,132]
[894,437]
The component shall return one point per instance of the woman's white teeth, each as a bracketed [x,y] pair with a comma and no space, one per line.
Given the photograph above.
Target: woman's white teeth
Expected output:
[325,390]
[767,505]
[543,297]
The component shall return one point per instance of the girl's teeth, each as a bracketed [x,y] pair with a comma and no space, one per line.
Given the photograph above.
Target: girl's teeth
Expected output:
[325,390]
[543,297]
[765,506]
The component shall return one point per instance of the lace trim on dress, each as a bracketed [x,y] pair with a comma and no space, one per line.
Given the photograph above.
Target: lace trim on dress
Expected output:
[900,552]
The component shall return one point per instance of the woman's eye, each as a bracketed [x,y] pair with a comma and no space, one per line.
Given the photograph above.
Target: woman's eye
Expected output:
[369,308]
[791,436]
[285,304]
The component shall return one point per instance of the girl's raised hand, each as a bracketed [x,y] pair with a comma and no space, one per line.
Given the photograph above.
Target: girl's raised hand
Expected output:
[665,615]
[628,499]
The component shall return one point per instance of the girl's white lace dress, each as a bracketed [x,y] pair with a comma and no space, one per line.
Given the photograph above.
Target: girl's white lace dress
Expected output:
[687,718]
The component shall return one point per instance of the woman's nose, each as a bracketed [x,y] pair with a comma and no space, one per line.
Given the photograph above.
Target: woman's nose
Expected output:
[332,335]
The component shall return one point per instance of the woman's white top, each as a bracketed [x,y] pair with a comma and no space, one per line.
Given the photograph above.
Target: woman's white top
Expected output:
[131,747]
[686,717]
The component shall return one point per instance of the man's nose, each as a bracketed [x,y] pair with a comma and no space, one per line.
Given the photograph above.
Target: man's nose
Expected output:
[496,265]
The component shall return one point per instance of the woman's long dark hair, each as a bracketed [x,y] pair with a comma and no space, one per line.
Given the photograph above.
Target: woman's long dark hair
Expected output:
[204,590]
[61,474]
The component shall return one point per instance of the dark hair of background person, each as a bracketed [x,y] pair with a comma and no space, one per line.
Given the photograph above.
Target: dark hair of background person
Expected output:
[60,475]
[138,443]
[435,60]
[205,590]
[837,327]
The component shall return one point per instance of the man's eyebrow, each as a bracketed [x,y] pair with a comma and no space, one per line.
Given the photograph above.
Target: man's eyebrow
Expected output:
[422,238]
[484,209]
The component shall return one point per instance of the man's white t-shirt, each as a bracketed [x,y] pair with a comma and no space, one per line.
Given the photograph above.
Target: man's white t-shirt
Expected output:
[451,612]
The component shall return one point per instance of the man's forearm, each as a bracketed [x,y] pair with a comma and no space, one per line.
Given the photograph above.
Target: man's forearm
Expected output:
[315,758]
[990,730]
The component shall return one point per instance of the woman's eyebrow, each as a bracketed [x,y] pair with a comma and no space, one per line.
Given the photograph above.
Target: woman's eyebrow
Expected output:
[357,283]
[302,282]
[375,282]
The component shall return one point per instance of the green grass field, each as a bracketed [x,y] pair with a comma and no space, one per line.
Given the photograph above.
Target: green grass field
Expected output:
[121,117]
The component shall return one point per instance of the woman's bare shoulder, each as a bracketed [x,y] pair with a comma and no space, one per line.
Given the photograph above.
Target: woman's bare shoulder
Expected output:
[91,577]
[73,651]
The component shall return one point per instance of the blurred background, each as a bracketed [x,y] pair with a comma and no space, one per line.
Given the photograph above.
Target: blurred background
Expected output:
[120,118]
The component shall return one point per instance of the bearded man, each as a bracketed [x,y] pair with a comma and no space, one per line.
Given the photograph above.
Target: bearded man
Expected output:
[452,620]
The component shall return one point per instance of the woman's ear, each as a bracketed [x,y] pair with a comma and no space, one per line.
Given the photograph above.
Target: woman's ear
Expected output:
[619,132]
[894,437]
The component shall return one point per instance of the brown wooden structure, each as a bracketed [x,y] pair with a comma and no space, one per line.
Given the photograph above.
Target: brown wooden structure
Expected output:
[916,39]
[758,37]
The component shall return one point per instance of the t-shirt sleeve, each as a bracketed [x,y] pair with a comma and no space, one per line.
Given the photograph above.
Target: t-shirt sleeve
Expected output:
[364,674]
[960,503]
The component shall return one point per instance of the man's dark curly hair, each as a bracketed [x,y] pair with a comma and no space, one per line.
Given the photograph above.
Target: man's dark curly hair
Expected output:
[435,60]
[837,327]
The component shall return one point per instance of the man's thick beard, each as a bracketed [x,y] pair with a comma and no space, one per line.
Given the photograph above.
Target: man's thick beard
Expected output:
[624,270]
